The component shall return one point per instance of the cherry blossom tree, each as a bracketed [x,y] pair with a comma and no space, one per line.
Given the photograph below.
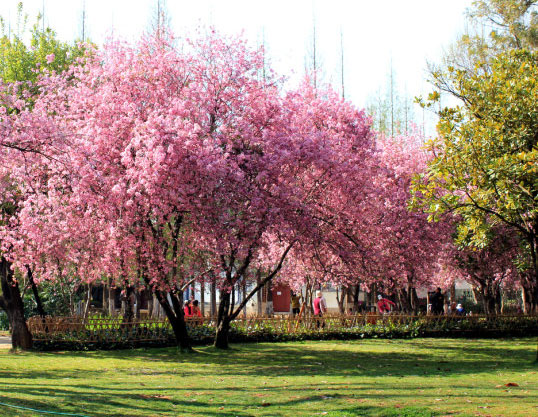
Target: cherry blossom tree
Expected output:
[150,156]
[371,237]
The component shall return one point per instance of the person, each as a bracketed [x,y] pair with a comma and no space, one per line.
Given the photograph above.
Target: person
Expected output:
[195,312]
[438,302]
[384,305]
[460,311]
[187,309]
[295,303]
[320,307]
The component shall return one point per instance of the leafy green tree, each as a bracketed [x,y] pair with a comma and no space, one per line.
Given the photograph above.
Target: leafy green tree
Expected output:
[22,61]
[493,27]
[485,168]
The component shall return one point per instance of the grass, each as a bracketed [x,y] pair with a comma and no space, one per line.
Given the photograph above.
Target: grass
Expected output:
[416,377]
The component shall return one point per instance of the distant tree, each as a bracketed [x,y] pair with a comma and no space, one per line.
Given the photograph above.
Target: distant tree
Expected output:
[391,109]
[22,62]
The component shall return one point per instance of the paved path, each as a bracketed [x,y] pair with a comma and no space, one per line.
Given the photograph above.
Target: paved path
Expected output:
[5,342]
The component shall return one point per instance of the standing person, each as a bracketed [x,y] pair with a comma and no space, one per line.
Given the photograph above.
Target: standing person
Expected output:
[187,309]
[320,307]
[438,302]
[384,305]
[195,311]
[295,303]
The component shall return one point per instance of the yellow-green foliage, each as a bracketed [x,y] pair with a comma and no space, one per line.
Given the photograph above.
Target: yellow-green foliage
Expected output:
[23,53]
[486,164]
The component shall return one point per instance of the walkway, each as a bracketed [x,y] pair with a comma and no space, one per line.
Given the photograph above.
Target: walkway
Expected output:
[5,342]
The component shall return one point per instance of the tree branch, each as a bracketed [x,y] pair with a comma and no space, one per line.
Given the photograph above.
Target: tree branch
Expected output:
[262,282]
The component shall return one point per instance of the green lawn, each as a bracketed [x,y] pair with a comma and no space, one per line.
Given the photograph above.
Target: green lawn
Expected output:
[418,377]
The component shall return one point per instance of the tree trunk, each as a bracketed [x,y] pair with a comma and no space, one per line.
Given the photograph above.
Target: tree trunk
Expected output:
[11,302]
[530,300]
[150,307]
[260,293]
[39,304]
[340,299]
[223,321]
[111,300]
[176,318]
[403,300]
[128,304]
[453,292]
[356,293]
[308,298]
[221,337]
[213,300]
[106,299]
[88,301]
[138,301]
[414,300]
[155,307]
[244,295]
[202,298]
[488,298]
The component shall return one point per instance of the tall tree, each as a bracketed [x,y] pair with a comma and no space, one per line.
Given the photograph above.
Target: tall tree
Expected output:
[391,109]
[493,27]
[172,154]
[485,169]
[487,147]
[21,65]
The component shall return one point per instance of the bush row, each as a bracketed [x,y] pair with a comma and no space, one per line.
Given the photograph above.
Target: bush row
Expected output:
[265,332]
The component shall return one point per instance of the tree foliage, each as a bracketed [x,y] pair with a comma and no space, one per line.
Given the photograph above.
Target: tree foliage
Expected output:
[486,165]
[23,60]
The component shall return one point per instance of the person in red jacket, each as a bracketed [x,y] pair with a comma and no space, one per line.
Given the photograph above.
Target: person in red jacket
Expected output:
[187,309]
[320,307]
[384,305]
[195,310]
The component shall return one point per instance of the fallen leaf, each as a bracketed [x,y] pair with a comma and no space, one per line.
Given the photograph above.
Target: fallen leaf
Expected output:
[157,396]
[511,384]
[266,404]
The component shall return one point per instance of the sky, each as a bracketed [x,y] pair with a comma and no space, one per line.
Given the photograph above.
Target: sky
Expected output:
[375,34]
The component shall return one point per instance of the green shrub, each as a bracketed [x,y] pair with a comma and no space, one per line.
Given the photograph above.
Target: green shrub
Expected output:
[121,337]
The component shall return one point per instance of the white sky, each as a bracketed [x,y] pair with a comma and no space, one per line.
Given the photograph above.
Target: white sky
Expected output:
[408,32]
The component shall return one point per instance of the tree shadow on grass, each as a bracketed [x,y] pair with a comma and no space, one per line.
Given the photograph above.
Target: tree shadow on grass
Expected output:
[97,401]
[354,362]
[129,405]
[418,358]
